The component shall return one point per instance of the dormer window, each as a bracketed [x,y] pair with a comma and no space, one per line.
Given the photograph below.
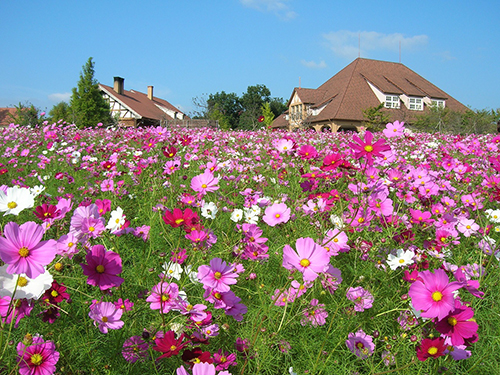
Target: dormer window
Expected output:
[392,101]
[416,104]
[438,103]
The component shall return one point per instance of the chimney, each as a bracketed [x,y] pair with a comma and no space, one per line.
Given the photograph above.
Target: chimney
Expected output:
[118,86]
[150,92]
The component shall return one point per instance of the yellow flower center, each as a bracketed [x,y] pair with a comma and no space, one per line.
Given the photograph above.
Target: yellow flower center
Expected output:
[432,350]
[204,186]
[105,319]
[164,298]
[11,205]
[91,229]
[401,261]
[24,252]
[100,268]
[36,359]
[70,244]
[54,293]
[58,266]
[178,221]
[173,347]
[217,275]
[22,281]
[437,296]
[277,216]
[452,321]
[305,262]
[368,148]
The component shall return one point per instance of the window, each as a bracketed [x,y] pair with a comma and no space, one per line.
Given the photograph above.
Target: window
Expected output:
[416,104]
[392,101]
[438,103]
[297,112]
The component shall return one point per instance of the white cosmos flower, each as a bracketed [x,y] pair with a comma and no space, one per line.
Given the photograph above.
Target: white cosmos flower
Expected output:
[209,210]
[401,259]
[116,220]
[26,287]
[173,270]
[15,200]
[37,190]
[237,215]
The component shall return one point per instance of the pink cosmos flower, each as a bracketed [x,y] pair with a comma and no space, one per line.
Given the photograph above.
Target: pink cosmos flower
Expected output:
[102,268]
[204,183]
[310,258]
[365,148]
[394,129]
[432,293]
[315,315]
[22,250]
[218,275]
[307,152]
[201,368]
[135,349]
[164,297]
[107,185]
[276,214]
[458,325]
[106,316]
[360,344]
[38,358]
[362,298]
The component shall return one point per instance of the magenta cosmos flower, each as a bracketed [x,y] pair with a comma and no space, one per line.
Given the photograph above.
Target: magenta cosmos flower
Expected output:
[204,183]
[276,214]
[106,316]
[310,258]
[102,267]
[164,297]
[458,325]
[22,250]
[432,294]
[366,148]
[38,358]
[218,276]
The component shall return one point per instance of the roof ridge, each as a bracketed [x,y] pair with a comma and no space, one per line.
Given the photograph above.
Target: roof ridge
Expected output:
[355,62]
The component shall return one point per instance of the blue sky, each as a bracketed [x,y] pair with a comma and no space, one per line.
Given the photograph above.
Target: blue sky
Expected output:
[189,48]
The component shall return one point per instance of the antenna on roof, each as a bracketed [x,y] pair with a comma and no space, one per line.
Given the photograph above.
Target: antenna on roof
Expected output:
[400,52]
[299,82]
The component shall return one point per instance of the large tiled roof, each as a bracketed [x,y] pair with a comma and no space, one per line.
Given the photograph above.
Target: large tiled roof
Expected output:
[139,103]
[348,93]
[5,116]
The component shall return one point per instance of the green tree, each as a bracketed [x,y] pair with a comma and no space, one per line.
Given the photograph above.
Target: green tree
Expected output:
[227,106]
[87,104]
[375,118]
[61,111]
[252,102]
[267,114]
[278,106]
[27,114]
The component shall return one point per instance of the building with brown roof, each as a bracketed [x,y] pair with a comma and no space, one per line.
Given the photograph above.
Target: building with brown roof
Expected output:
[338,104]
[134,108]
[6,115]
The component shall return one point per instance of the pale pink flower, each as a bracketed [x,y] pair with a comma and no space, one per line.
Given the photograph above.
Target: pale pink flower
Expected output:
[310,258]
[276,214]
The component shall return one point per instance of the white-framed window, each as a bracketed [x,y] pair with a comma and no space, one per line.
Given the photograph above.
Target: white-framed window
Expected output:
[439,103]
[416,104]
[392,101]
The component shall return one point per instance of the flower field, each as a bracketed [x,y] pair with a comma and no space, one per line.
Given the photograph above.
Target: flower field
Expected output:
[197,251]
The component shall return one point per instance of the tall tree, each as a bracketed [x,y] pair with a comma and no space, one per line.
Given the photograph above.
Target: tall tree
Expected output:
[87,103]
[252,102]
[227,107]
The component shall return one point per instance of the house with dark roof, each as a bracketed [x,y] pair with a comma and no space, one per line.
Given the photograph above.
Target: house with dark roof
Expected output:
[134,108]
[6,115]
[338,104]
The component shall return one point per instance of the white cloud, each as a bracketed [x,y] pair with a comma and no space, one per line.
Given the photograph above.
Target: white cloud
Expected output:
[344,43]
[59,97]
[278,7]
[313,64]
[446,56]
